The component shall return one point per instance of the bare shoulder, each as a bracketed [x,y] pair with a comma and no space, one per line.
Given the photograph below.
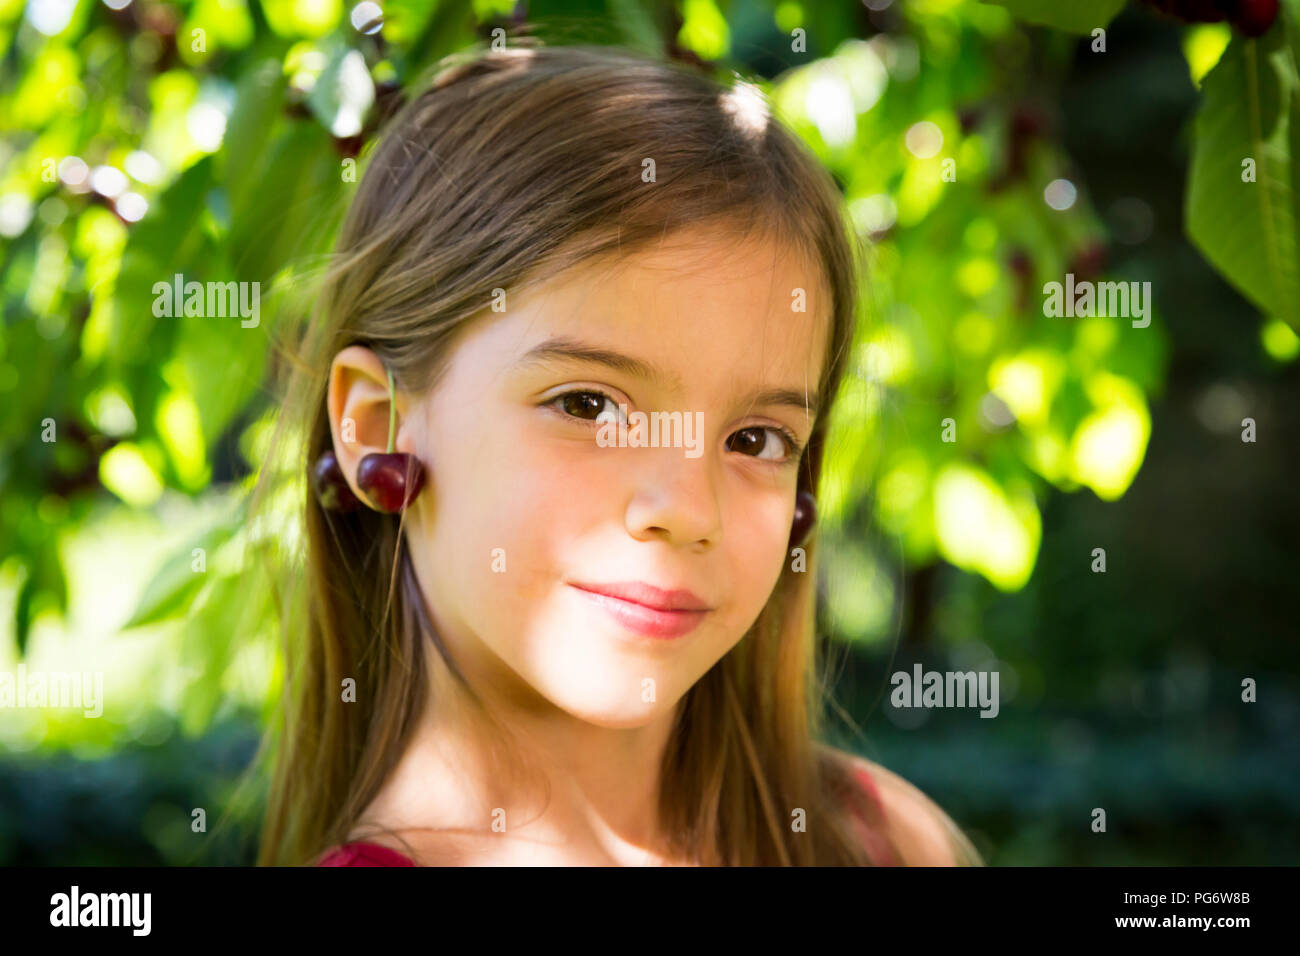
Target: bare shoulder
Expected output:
[924,834]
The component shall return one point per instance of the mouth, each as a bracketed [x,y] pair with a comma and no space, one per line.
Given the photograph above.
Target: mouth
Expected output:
[647,610]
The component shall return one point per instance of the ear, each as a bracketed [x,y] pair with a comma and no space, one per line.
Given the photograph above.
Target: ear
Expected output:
[357,401]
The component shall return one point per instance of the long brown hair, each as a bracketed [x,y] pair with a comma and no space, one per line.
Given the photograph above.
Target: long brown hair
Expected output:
[512,166]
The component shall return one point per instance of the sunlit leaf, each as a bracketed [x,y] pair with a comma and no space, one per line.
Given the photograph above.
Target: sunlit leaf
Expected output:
[126,471]
[176,582]
[983,528]
[704,29]
[1108,447]
[1241,193]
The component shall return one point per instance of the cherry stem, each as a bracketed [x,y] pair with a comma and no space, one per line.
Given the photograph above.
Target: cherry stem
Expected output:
[392,411]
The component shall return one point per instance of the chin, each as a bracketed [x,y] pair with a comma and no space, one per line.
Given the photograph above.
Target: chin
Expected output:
[609,721]
[596,708]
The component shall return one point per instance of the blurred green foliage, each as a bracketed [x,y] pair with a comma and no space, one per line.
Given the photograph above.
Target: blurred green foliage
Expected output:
[207,141]
[141,140]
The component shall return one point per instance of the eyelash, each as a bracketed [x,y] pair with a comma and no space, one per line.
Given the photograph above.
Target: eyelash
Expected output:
[792,443]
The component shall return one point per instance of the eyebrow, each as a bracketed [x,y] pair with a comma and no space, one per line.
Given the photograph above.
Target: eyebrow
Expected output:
[560,349]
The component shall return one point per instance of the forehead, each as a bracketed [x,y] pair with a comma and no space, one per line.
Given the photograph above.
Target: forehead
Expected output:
[705,308]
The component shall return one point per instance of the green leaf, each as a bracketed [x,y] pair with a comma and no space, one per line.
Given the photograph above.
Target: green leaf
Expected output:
[223,362]
[1247,230]
[169,240]
[175,584]
[343,93]
[232,611]
[23,615]
[638,26]
[255,119]
[45,587]
[1072,16]
[450,27]
[288,209]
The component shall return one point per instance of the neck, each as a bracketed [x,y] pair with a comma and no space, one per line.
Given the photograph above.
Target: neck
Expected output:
[584,791]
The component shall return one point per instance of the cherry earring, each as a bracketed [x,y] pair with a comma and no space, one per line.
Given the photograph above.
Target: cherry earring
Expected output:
[805,516]
[332,489]
[389,480]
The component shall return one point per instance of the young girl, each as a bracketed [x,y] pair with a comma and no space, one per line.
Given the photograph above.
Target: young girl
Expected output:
[538,632]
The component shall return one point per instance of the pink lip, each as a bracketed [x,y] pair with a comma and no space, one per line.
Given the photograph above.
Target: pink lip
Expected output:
[648,610]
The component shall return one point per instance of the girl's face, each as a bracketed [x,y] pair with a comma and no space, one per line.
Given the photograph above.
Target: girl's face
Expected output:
[528,510]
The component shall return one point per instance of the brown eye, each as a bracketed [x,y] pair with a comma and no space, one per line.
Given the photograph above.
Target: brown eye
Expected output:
[587,405]
[756,441]
[583,404]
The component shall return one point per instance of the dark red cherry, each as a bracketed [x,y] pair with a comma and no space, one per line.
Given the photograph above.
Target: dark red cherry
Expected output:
[969,117]
[805,516]
[1022,268]
[1254,17]
[331,487]
[390,481]
[348,147]
[1020,264]
[1029,120]
[1089,262]
[1204,11]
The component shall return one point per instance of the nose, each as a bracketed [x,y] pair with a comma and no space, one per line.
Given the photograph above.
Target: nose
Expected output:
[676,499]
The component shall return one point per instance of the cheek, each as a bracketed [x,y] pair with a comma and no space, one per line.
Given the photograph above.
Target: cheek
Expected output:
[527,496]
[757,553]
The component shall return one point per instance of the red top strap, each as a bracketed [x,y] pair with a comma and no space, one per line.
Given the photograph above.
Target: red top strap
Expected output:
[882,853]
[364,854]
